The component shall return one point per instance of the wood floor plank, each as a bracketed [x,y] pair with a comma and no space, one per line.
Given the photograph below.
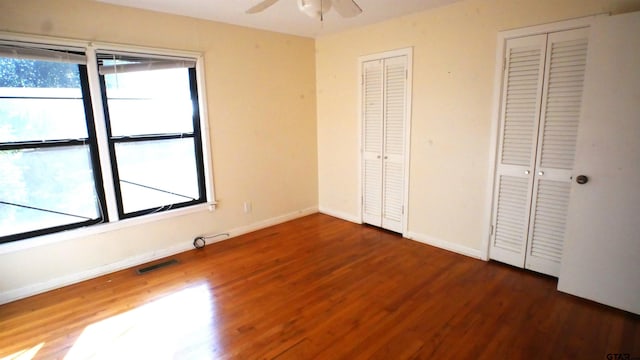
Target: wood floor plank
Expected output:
[317,288]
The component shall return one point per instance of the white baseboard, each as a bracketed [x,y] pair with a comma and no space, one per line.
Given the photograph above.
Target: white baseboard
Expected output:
[443,244]
[34,289]
[340,215]
[38,288]
[446,245]
[270,222]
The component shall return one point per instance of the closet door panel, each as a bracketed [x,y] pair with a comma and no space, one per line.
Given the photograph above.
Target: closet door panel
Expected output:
[372,113]
[511,214]
[521,102]
[372,192]
[393,196]
[549,219]
[395,92]
[559,119]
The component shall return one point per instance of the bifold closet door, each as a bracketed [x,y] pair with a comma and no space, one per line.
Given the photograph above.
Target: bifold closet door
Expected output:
[384,120]
[542,94]
[521,99]
[558,131]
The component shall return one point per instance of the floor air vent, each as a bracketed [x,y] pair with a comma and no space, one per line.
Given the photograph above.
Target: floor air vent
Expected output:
[157,266]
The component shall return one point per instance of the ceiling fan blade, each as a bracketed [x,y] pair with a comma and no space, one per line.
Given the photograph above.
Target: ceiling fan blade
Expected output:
[347,8]
[261,6]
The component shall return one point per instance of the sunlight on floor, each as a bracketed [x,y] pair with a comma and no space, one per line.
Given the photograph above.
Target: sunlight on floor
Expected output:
[180,325]
[26,354]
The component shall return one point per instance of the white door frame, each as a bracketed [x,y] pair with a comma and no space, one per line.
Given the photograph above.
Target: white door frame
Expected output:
[408,52]
[503,36]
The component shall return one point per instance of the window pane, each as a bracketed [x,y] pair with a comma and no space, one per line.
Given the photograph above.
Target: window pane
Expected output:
[157,173]
[24,119]
[150,116]
[21,73]
[149,102]
[40,100]
[41,188]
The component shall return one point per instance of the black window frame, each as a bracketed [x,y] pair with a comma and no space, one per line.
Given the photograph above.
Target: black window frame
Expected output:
[92,143]
[196,135]
[99,140]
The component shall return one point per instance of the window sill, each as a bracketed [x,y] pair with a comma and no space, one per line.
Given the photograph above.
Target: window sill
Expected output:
[43,240]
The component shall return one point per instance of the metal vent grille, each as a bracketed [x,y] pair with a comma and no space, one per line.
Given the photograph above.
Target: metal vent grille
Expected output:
[157,266]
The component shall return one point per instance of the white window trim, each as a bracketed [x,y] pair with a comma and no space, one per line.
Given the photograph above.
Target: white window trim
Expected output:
[91,230]
[115,222]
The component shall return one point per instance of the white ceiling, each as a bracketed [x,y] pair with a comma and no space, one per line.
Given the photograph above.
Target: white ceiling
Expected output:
[284,16]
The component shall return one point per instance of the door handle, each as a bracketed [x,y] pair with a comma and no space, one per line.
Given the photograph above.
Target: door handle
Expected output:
[582,179]
[540,173]
[526,172]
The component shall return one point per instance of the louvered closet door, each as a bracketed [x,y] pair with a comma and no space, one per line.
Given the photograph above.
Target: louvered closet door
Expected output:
[521,102]
[372,122]
[395,88]
[384,113]
[559,118]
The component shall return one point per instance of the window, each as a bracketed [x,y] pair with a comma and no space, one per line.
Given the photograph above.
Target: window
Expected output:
[51,145]
[47,148]
[151,108]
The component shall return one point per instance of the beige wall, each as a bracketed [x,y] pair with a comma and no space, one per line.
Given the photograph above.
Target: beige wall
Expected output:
[453,75]
[262,116]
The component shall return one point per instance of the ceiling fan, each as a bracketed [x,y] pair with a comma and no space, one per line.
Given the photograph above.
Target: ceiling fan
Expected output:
[315,8]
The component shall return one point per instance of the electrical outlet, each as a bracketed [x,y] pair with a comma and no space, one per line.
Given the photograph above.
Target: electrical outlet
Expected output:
[247,207]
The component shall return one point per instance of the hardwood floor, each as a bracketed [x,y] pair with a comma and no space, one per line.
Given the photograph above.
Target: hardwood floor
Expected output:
[317,287]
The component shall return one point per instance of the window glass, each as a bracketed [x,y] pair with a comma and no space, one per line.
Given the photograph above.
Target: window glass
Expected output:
[30,118]
[149,102]
[47,178]
[40,100]
[44,188]
[25,73]
[157,173]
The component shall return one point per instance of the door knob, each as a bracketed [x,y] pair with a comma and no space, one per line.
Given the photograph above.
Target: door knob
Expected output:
[526,172]
[540,173]
[582,179]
